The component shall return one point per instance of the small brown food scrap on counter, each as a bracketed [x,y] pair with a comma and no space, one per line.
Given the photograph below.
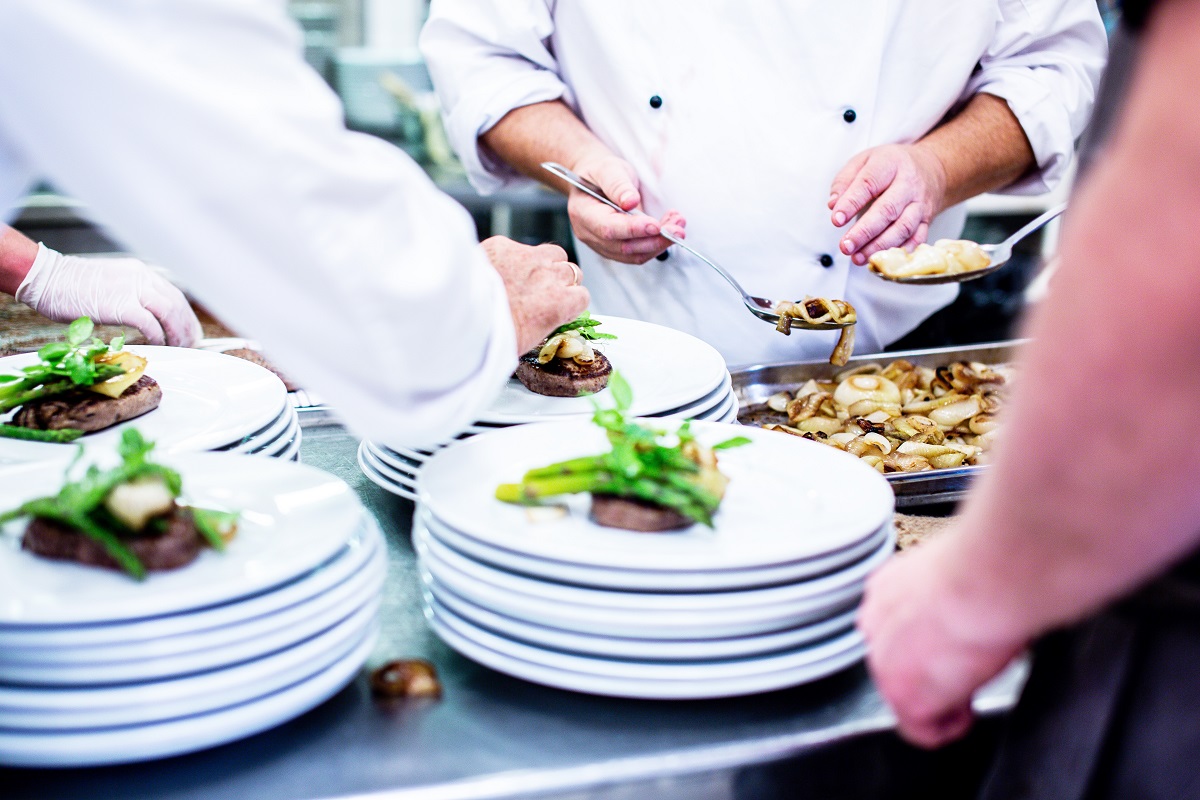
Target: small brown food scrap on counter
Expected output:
[413,677]
[817,311]
[255,357]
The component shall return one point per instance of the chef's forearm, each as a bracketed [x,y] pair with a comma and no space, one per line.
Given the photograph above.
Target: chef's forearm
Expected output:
[17,254]
[1093,490]
[981,149]
[527,136]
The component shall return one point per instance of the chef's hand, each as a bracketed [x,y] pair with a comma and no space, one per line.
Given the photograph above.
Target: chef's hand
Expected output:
[925,648]
[902,187]
[543,288]
[616,236]
[112,291]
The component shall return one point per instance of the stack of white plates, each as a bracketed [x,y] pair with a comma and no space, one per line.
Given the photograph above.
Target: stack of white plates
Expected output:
[98,668]
[673,375]
[210,401]
[762,601]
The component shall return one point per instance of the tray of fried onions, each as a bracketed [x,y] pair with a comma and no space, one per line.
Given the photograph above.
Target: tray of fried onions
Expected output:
[925,419]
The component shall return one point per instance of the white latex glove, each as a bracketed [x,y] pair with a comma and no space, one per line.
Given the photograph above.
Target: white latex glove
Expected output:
[112,291]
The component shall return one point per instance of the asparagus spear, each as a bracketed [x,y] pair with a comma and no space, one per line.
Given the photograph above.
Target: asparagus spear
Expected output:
[64,436]
[639,466]
[571,467]
[30,389]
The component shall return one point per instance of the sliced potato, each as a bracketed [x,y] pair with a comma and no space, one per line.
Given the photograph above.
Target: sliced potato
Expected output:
[134,366]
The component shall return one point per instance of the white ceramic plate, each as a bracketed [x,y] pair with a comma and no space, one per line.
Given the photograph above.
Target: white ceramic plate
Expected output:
[666,368]
[363,546]
[400,461]
[280,442]
[702,406]
[621,624]
[650,602]
[641,688]
[209,400]
[289,451]
[639,649]
[276,433]
[723,412]
[269,433]
[725,669]
[649,580]
[711,406]
[373,474]
[401,476]
[61,709]
[293,519]
[163,667]
[158,740]
[788,499]
[180,647]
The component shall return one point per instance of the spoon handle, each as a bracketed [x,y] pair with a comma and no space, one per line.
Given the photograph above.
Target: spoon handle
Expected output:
[1034,225]
[587,187]
[582,184]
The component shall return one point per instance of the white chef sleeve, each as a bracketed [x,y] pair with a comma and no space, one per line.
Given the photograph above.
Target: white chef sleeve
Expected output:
[15,179]
[486,58]
[196,132]
[1045,61]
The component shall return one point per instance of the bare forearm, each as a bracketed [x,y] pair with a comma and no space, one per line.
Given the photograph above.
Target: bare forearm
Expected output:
[17,253]
[981,149]
[532,134]
[1093,490]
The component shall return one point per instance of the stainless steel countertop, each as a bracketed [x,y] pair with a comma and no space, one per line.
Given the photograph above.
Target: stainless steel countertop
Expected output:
[491,736]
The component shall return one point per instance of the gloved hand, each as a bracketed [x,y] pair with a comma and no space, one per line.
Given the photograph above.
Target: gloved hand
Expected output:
[112,291]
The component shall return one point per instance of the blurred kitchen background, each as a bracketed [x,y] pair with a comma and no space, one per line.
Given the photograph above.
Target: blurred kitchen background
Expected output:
[366,50]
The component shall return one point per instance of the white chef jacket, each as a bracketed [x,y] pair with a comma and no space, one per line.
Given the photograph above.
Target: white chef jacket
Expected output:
[194,129]
[754,123]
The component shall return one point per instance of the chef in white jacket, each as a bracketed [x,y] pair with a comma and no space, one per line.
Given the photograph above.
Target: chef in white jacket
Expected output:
[195,131]
[764,131]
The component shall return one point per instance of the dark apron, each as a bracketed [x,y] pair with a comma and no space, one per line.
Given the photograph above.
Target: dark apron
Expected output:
[1112,706]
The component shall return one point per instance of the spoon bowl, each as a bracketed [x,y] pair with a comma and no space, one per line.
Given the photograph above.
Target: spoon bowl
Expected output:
[999,255]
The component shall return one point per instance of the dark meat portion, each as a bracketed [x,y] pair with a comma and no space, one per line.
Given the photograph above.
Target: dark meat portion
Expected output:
[255,357]
[563,377]
[88,411]
[177,547]
[635,515]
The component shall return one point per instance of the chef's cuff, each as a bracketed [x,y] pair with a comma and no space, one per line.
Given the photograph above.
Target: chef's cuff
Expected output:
[479,110]
[33,284]
[1042,115]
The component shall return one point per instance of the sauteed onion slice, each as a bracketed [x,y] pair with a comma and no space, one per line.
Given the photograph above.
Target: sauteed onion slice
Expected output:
[900,417]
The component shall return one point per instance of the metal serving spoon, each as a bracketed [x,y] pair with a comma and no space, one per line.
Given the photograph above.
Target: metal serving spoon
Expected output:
[760,307]
[998,253]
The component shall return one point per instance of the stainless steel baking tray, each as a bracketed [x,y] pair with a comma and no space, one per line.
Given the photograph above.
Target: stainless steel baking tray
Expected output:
[754,385]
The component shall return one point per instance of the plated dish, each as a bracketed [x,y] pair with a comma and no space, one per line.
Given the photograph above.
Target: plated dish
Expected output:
[567,363]
[668,369]
[77,386]
[129,517]
[292,519]
[844,502]
[650,480]
[208,401]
